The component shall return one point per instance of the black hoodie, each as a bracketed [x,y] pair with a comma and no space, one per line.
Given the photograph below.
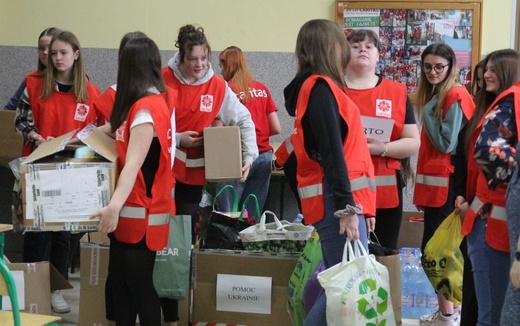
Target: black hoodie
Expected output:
[324,133]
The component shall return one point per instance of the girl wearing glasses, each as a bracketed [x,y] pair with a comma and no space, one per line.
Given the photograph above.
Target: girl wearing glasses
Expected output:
[444,106]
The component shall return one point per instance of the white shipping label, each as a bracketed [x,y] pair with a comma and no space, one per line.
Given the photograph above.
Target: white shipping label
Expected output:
[243,293]
[66,195]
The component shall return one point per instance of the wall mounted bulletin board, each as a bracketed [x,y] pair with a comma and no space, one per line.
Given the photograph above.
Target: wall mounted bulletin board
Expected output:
[406,28]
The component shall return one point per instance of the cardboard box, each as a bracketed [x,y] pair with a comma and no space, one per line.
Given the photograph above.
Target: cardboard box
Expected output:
[39,280]
[411,232]
[223,153]
[94,272]
[61,192]
[10,142]
[208,265]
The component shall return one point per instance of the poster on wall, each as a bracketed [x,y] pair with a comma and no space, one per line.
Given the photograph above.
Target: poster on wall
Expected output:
[405,33]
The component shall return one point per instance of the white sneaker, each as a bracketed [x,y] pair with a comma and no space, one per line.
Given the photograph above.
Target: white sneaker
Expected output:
[59,304]
[438,319]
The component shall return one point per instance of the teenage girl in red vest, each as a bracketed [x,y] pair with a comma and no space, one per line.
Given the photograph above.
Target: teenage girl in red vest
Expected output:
[385,100]
[138,213]
[204,98]
[444,107]
[494,140]
[335,174]
[257,99]
[53,103]
[464,186]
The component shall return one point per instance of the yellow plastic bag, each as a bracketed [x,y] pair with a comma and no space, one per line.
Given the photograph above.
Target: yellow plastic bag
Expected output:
[442,259]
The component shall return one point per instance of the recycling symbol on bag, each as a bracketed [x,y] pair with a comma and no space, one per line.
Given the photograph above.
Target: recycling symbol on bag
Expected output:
[372,294]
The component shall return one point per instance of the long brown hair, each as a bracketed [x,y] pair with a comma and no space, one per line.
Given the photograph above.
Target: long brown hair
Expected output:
[321,46]
[78,70]
[506,64]
[139,70]
[426,90]
[51,31]
[236,72]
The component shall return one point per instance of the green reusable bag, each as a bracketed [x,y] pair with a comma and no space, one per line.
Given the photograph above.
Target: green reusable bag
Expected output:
[171,273]
[309,259]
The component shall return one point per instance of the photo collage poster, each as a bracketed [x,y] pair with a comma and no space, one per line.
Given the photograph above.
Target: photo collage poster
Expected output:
[405,33]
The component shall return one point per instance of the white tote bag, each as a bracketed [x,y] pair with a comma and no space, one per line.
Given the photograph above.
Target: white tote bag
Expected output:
[357,290]
[278,236]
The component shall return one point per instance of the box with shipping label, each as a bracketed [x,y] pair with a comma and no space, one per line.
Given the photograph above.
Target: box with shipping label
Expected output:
[238,287]
[10,142]
[222,153]
[411,232]
[60,191]
[39,280]
[94,272]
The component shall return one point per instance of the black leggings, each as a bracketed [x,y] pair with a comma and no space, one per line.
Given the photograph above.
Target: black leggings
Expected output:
[388,220]
[129,289]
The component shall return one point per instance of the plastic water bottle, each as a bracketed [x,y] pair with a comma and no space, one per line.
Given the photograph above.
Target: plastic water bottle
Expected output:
[407,282]
[423,289]
[298,219]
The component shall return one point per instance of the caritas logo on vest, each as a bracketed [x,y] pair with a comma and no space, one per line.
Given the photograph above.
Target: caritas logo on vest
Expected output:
[168,252]
[253,92]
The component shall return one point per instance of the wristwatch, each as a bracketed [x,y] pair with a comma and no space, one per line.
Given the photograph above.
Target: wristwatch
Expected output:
[385,152]
[517,255]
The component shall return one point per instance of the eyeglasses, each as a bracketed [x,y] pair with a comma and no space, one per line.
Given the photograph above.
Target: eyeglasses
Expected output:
[438,68]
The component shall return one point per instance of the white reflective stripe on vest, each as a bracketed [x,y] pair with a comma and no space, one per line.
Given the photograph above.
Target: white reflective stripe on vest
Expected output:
[362,182]
[310,191]
[133,212]
[190,163]
[497,212]
[173,192]
[386,180]
[158,219]
[317,189]
[432,181]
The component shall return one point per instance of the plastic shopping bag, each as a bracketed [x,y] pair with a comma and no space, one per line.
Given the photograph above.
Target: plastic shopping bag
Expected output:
[278,236]
[357,290]
[221,231]
[442,259]
[306,264]
[171,271]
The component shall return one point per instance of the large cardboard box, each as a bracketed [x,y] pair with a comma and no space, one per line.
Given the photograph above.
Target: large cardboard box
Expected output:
[94,272]
[61,192]
[411,231]
[210,265]
[223,153]
[10,141]
[39,280]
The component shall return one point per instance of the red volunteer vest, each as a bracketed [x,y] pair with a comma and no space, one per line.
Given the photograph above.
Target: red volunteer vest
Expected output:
[385,101]
[433,166]
[283,152]
[309,172]
[497,235]
[196,108]
[104,104]
[142,215]
[60,112]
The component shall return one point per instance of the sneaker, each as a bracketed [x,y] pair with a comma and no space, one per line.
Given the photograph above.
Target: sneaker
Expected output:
[438,319]
[59,304]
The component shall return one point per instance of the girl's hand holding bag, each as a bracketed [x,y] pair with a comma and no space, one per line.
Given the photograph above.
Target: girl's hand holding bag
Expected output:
[357,290]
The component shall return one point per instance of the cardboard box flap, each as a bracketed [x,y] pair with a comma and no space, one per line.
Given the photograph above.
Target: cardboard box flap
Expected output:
[50,147]
[58,282]
[99,142]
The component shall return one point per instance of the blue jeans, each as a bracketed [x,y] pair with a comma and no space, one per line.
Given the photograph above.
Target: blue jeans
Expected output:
[257,183]
[332,245]
[490,272]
